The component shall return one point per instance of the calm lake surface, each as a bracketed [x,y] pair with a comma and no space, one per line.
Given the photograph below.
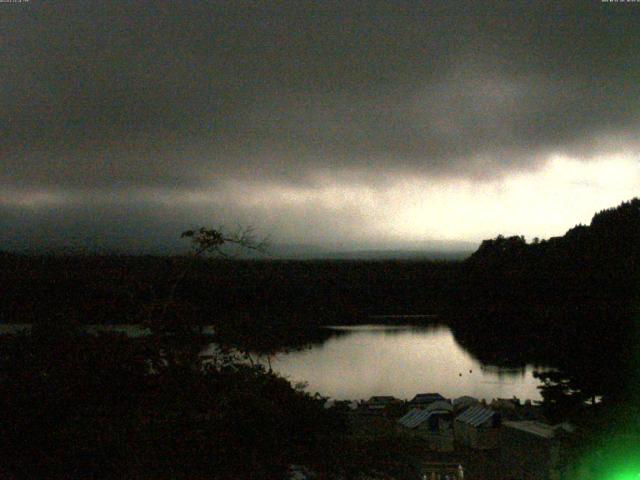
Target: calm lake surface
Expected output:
[358,362]
[400,361]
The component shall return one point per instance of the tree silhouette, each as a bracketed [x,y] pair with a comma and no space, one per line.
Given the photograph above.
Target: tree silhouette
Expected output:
[106,405]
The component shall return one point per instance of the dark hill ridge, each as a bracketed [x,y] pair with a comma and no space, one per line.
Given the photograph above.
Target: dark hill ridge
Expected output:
[614,234]
[588,263]
[569,301]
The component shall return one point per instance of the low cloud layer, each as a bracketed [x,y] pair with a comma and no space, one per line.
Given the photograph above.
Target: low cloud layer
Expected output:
[313,111]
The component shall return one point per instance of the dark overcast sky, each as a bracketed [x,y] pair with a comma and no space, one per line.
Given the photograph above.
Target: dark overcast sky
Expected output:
[342,124]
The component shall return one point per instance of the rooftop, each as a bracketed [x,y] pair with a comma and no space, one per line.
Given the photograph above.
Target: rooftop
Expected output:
[533,427]
[476,416]
[381,399]
[427,398]
[417,416]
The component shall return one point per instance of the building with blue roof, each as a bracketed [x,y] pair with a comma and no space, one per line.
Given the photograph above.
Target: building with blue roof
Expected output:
[478,428]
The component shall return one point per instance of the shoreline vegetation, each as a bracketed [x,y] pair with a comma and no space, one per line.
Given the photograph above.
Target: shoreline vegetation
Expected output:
[105,406]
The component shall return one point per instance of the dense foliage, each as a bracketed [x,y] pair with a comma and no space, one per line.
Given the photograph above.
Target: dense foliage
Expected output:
[107,405]
[88,406]
[570,302]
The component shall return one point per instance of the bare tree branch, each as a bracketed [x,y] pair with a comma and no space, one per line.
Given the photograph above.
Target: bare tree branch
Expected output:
[211,240]
[204,241]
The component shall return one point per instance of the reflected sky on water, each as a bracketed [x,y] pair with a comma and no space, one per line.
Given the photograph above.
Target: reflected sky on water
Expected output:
[400,361]
[365,360]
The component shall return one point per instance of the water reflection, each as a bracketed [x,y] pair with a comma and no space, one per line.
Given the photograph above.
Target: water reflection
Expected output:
[357,362]
[401,361]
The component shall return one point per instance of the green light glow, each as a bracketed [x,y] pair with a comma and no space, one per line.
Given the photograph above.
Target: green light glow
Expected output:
[620,460]
[624,475]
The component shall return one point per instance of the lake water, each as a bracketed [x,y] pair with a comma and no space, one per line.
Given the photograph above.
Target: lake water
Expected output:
[361,361]
[400,361]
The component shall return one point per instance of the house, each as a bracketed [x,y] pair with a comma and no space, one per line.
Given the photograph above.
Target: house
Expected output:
[477,428]
[422,400]
[439,405]
[434,424]
[531,450]
[462,403]
[376,404]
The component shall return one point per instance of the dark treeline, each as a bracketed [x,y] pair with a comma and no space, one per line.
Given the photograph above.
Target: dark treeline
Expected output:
[111,289]
[559,300]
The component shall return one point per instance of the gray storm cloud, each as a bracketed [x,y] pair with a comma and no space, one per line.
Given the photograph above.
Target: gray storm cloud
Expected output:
[179,96]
